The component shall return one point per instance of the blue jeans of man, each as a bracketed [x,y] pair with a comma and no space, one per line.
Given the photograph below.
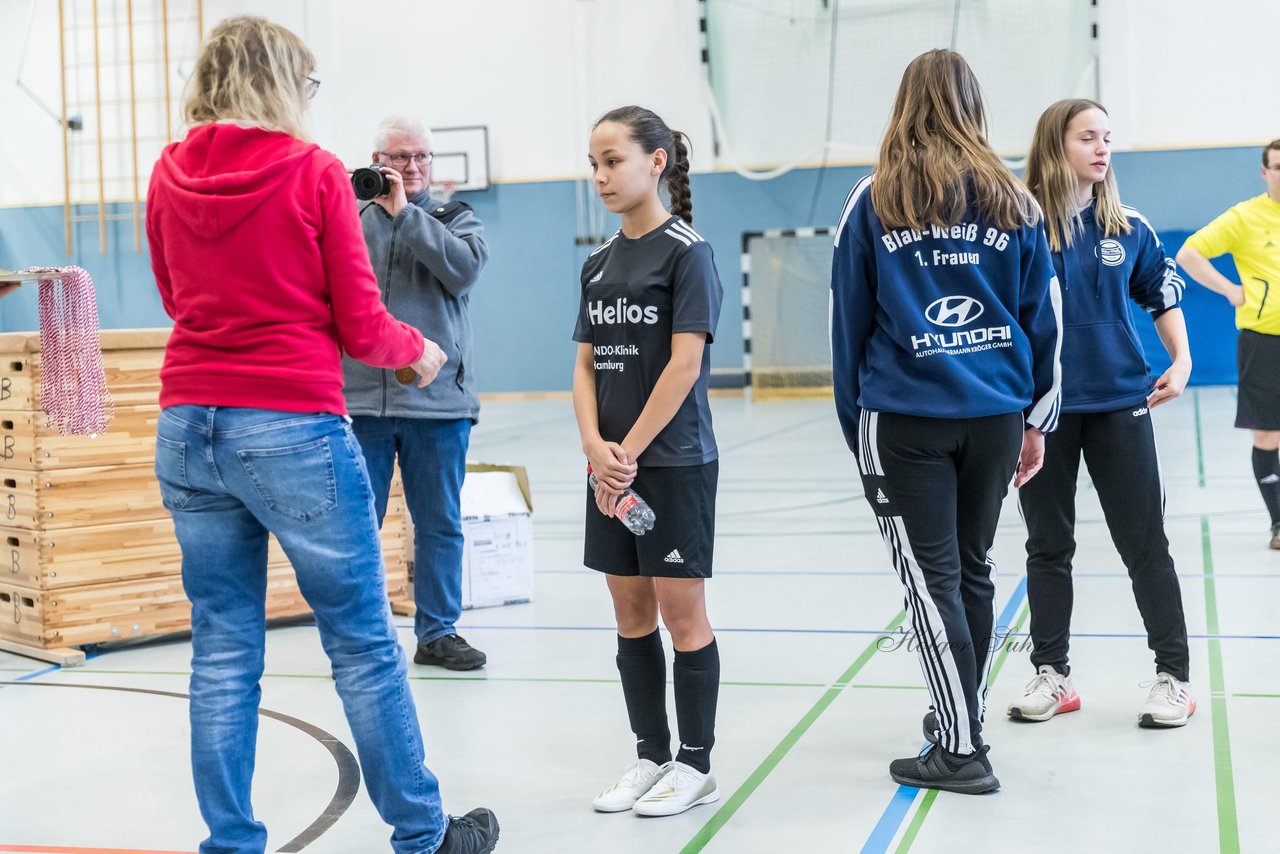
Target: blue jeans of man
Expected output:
[433,462]
[229,476]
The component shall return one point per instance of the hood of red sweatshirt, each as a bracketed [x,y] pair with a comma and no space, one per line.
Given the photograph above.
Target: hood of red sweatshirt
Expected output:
[221,172]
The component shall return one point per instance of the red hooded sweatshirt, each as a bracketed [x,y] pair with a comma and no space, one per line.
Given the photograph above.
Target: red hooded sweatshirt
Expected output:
[258,253]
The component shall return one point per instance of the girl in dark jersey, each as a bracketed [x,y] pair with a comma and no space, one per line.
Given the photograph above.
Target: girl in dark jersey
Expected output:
[944,341]
[650,301]
[1105,254]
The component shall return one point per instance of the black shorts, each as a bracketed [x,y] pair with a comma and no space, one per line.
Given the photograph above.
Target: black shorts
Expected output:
[1258,401]
[683,499]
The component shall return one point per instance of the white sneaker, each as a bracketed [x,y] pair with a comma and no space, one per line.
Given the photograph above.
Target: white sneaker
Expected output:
[682,787]
[1169,704]
[1049,694]
[635,781]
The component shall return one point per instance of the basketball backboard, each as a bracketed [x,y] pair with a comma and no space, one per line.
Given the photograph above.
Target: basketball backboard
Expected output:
[460,157]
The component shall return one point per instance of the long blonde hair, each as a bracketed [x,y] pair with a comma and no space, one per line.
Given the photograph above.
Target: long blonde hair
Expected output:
[935,154]
[1054,183]
[251,70]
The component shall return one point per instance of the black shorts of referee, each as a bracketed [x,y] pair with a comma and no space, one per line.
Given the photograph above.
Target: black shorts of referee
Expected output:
[1258,400]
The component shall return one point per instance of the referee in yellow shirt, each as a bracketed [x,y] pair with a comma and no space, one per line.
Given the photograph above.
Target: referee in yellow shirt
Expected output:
[1250,232]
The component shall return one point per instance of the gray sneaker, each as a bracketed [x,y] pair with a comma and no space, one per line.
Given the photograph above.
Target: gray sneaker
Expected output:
[1275,536]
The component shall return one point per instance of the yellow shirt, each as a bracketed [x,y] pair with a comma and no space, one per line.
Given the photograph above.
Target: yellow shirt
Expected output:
[1250,231]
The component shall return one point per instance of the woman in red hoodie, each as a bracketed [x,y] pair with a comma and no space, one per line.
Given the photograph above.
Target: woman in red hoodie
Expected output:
[258,254]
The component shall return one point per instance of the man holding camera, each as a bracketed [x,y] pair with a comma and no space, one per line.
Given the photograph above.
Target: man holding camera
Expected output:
[427,255]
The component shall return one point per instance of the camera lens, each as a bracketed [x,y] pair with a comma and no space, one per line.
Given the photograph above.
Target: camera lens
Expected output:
[369,183]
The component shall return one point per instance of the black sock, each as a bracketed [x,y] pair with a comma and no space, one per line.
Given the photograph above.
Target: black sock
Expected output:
[1266,470]
[697,678]
[643,667]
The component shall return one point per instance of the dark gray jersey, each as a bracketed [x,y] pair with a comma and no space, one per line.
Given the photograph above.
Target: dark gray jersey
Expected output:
[635,295]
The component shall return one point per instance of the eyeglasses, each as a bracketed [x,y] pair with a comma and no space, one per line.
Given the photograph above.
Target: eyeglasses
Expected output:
[422,158]
[313,86]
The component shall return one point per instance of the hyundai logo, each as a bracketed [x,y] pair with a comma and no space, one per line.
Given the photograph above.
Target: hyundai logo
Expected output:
[954,311]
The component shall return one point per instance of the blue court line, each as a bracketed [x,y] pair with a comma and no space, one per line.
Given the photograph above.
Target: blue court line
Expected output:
[37,674]
[53,668]
[900,804]
[1189,637]
[762,631]
[890,820]
[1271,576]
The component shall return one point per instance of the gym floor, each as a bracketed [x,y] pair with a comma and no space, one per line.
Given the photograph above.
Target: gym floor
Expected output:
[811,711]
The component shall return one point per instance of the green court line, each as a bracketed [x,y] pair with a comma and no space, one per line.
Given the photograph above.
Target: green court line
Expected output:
[1023,612]
[1195,399]
[749,786]
[926,803]
[1259,696]
[916,820]
[1228,828]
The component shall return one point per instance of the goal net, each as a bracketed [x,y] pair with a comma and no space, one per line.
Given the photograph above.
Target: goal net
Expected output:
[790,81]
[786,276]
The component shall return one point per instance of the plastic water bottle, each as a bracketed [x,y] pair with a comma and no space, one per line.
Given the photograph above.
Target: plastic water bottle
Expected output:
[631,510]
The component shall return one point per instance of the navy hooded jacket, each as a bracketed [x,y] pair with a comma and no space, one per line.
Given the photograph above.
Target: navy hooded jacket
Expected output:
[955,322]
[1103,366]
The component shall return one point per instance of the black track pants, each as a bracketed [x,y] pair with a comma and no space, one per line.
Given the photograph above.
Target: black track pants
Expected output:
[936,486]
[1119,448]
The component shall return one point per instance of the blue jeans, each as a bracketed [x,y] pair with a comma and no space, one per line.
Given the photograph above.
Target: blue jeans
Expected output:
[228,476]
[433,462]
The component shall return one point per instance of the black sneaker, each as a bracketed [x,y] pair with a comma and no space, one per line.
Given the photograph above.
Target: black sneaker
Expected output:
[1275,536]
[930,726]
[931,729]
[473,833]
[937,768]
[451,652]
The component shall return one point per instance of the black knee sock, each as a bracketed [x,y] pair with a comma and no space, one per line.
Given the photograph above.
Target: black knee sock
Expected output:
[643,667]
[1266,470]
[697,678]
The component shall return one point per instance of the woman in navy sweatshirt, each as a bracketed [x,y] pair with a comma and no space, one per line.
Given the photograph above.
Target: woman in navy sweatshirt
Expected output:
[1105,254]
[944,338]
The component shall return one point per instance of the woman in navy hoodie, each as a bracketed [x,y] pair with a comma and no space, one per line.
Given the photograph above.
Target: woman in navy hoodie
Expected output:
[944,338]
[1105,254]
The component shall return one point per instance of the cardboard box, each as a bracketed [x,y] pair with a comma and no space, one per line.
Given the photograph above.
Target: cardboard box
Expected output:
[497,526]
[497,531]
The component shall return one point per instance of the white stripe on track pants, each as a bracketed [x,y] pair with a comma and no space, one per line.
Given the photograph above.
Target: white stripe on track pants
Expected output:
[936,486]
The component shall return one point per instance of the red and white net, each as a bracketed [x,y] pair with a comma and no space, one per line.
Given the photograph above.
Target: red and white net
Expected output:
[73,384]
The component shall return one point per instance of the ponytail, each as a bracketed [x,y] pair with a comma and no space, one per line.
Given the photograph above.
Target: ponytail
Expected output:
[651,133]
[677,178]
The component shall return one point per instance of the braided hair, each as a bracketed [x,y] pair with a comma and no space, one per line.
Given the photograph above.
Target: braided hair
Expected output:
[651,133]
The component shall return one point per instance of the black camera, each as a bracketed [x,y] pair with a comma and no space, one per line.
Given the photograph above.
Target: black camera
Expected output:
[369,182]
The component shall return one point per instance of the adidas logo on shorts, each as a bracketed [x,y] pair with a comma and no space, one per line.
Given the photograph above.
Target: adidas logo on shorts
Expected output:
[674,557]
[880,498]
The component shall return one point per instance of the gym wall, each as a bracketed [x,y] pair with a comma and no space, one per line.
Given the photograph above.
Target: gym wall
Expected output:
[537,74]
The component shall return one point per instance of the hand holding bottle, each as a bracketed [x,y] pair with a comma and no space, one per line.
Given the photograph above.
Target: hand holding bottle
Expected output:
[628,507]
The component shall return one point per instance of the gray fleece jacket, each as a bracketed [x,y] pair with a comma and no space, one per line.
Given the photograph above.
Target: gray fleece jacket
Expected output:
[427,259]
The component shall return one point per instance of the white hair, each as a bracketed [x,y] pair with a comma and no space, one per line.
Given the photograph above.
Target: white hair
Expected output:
[399,126]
